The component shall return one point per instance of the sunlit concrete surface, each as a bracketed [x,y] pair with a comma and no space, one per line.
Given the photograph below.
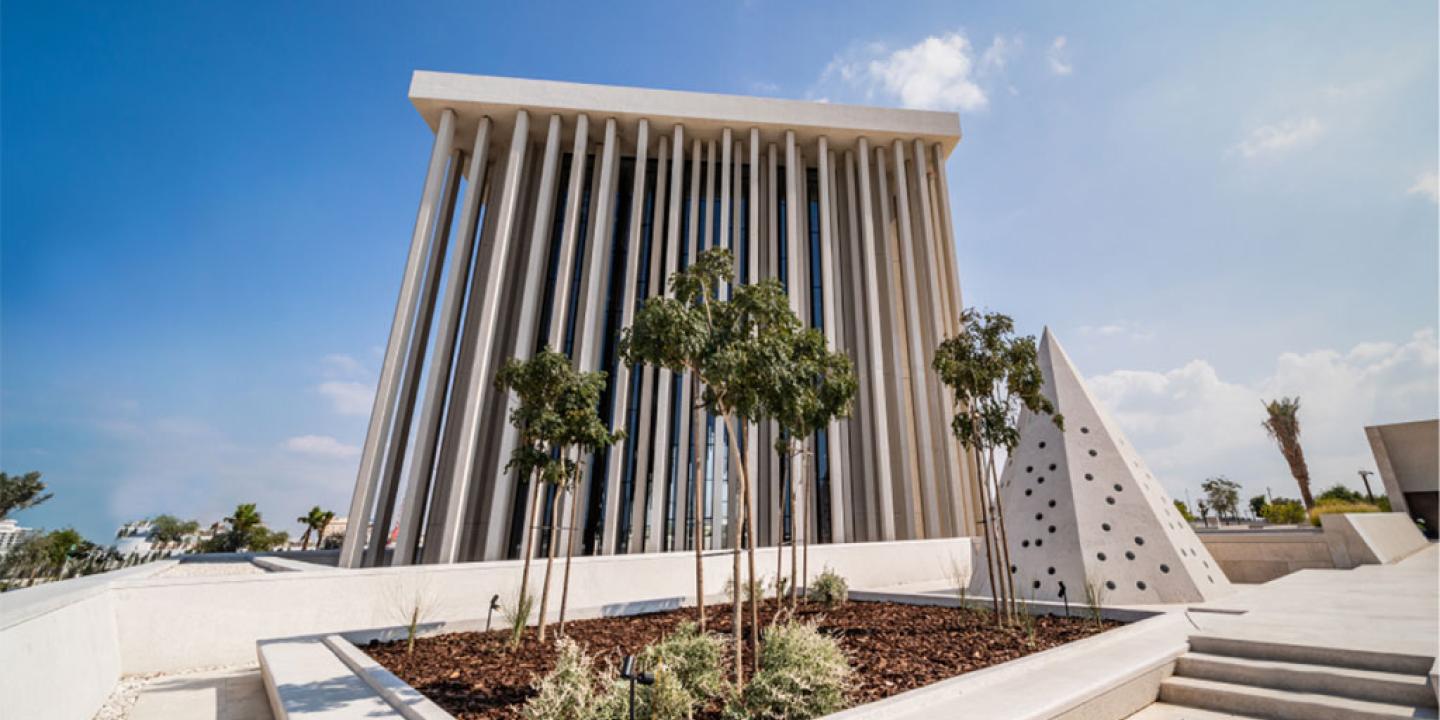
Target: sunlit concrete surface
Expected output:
[237,694]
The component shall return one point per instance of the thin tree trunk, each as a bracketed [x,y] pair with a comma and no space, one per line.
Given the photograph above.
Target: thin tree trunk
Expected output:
[794,531]
[1295,457]
[569,546]
[1004,537]
[697,438]
[780,545]
[747,524]
[550,560]
[529,549]
[980,475]
[740,539]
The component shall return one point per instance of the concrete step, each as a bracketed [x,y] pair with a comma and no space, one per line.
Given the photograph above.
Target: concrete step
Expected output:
[1280,704]
[1260,649]
[1385,687]
[1165,711]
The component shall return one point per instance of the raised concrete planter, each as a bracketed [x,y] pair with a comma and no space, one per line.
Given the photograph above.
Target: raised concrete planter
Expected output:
[1260,555]
[1106,677]
[1371,538]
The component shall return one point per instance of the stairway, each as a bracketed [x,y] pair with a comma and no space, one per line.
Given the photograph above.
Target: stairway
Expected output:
[1276,681]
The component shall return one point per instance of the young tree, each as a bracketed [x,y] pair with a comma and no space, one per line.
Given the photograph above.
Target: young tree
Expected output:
[1257,505]
[1282,422]
[538,384]
[816,389]
[737,348]
[314,522]
[1223,495]
[20,492]
[993,374]
[583,434]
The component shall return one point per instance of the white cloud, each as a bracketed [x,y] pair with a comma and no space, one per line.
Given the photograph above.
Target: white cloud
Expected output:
[340,365]
[320,445]
[1190,423]
[1059,57]
[1280,137]
[1427,185]
[348,397]
[940,72]
[1122,329]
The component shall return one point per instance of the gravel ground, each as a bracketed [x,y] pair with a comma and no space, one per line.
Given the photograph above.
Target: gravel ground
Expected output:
[127,691]
[213,569]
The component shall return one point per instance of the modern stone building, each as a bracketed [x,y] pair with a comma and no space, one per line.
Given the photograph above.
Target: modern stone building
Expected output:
[551,211]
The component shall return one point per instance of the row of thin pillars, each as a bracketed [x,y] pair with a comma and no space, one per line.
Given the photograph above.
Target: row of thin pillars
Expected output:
[862,239]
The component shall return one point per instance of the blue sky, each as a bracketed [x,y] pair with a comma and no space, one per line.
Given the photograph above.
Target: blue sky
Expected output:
[204,209]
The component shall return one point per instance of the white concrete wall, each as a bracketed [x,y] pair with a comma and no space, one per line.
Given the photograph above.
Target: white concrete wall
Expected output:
[58,646]
[1257,556]
[214,621]
[1371,538]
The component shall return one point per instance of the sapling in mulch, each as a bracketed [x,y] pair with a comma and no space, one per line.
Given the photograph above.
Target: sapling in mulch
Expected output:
[517,616]
[413,603]
[1094,603]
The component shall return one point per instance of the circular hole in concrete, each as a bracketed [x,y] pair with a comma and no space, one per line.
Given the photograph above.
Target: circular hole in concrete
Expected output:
[1084,429]
[1088,476]
[1052,466]
[1129,555]
[1039,516]
[1050,571]
[1164,568]
[1029,468]
[1028,491]
[1036,585]
[1012,569]
[1105,527]
[1101,556]
[1052,528]
[1039,542]
[1093,453]
[1140,584]
[1042,444]
[1110,584]
[1109,500]
[1119,487]
[1139,540]
[1040,480]
[1023,544]
[1052,503]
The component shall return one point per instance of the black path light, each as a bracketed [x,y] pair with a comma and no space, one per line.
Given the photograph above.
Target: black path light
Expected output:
[1065,598]
[494,605]
[627,672]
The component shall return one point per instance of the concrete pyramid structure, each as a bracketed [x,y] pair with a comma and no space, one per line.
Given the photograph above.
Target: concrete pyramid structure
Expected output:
[1082,508]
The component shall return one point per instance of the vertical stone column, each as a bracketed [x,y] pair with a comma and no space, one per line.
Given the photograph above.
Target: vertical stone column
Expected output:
[649,433]
[382,413]
[873,261]
[615,465]
[432,407]
[481,371]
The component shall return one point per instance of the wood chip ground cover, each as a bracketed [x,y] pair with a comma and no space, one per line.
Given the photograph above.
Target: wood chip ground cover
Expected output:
[892,648]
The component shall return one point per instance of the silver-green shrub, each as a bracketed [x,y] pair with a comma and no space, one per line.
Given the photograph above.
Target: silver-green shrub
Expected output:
[829,588]
[694,658]
[568,692]
[803,674]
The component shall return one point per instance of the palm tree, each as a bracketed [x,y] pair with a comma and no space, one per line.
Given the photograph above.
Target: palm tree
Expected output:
[1283,424]
[314,522]
[244,520]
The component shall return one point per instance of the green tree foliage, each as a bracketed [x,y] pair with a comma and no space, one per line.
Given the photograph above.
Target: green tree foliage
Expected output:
[21,492]
[315,522]
[753,359]
[993,374]
[1282,422]
[1257,505]
[1284,511]
[246,531]
[1340,493]
[169,531]
[1223,495]
[1184,511]
[557,419]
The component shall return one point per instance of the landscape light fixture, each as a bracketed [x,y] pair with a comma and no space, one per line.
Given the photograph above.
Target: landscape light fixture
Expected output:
[627,672]
[1065,597]
[494,605]
[1365,478]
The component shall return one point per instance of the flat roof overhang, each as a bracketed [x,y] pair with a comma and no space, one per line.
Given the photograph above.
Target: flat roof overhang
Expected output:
[704,115]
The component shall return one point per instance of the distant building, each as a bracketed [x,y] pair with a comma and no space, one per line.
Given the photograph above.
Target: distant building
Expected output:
[11,534]
[133,538]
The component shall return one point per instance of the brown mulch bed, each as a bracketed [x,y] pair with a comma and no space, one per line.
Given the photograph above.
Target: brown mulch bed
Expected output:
[892,647]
